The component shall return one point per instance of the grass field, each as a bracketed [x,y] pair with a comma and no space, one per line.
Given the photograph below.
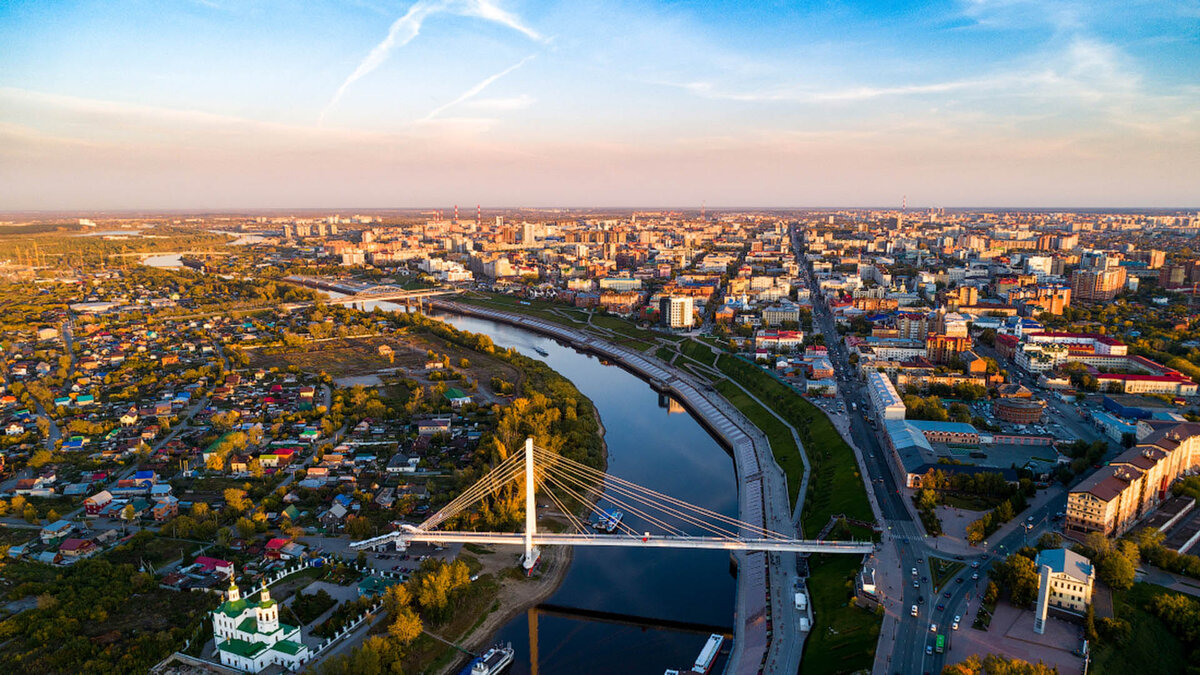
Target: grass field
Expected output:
[943,571]
[1151,649]
[697,351]
[835,486]
[783,446]
[844,637]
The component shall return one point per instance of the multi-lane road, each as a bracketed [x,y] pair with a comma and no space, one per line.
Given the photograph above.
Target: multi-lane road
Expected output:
[911,640]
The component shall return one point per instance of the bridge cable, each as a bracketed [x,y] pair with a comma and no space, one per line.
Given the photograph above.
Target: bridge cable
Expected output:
[649,502]
[597,474]
[488,484]
[561,507]
[632,509]
[592,507]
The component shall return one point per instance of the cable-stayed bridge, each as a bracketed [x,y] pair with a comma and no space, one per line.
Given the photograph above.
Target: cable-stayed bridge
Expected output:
[663,521]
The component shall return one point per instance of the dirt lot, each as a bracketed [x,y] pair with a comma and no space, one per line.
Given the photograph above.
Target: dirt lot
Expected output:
[359,358]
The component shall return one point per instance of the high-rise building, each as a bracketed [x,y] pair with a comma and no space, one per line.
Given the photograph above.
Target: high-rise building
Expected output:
[676,312]
[1098,284]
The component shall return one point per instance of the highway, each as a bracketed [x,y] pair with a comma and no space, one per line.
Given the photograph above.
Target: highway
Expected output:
[905,542]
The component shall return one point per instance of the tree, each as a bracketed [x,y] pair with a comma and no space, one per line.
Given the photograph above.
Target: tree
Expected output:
[1004,512]
[1116,570]
[993,664]
[406,627]
[236,500]
[396,598]
[256,468]
[246,528]
[224,537]
[359,527]
[1049,540]
[1019,575]
[40,458]
[128,512]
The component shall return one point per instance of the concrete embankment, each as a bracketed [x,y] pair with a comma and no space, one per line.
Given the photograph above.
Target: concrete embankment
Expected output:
[764,580]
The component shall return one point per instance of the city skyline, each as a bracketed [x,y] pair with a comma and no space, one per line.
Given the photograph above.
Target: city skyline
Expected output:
[225,106]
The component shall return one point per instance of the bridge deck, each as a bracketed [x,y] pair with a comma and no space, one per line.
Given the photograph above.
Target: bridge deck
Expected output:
[548,539]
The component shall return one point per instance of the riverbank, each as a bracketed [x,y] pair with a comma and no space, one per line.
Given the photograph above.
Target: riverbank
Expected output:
[762,491]
[516,595]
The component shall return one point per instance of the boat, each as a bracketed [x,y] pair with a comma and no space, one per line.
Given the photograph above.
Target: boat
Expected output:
[493,661]
[708,655]
[541,351]
[607,521]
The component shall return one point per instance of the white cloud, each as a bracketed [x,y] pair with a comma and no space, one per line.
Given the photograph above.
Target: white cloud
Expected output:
[407,27]
[502,104]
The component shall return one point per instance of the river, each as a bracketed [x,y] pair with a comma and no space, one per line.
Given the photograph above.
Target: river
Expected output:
[670,453]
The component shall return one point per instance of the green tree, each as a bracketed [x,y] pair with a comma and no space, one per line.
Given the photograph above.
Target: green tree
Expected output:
[246,528]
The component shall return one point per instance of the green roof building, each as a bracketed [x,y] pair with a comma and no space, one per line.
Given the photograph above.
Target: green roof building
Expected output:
[249,636]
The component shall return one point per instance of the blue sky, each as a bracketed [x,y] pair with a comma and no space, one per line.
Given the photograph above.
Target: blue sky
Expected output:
[368,103]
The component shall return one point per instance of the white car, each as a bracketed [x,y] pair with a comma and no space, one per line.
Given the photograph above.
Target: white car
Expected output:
[954,626]
[933,628]
[957,618]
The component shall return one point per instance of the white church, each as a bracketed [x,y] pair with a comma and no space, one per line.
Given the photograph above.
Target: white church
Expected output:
[249,636]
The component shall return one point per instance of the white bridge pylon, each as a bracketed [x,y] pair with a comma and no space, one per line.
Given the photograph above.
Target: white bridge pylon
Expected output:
[563,480]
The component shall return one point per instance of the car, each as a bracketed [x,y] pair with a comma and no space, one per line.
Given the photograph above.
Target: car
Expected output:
[954,626]
[914,571]
[975,563]
[975,576]
[920,561]
[946,595]
[933,628]
[958,580]
[924,579]
[940,606]
[914,610]
[916,584]
[928,649]
[920,599]
[957,618]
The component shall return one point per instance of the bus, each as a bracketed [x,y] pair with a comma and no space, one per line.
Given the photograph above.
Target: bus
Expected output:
[941,644]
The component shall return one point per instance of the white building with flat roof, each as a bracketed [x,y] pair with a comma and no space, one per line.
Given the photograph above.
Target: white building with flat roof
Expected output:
[883,396]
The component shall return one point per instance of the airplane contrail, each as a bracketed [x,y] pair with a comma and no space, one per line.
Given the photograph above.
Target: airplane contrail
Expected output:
[473,91]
